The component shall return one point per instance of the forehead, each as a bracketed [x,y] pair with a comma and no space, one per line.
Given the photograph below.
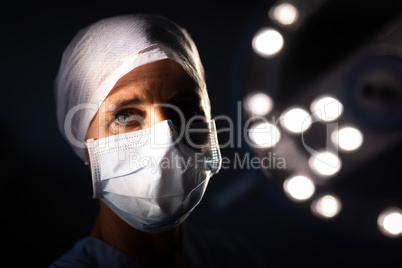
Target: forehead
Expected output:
[155,82]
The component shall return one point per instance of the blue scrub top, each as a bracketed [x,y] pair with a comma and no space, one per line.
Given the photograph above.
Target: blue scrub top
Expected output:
[209,248]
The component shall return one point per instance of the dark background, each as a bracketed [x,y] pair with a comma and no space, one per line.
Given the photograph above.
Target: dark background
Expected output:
[45,191]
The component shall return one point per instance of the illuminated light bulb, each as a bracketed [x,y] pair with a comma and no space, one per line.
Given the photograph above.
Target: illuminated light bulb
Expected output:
[285,13]
[299,188]
[325,163]
[347,138]
[264,135]
[258,103]
[327,206]
[390,222]
[267,42]
[296,120]
[326,108]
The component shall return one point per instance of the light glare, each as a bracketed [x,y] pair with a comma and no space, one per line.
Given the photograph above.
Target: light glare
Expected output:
[285,13]
[264,134]
[390,222]
[326,108]
[258,103]
[296,120]
[327,206]
[347,138]
[267,42]
[325,163]
[299,187]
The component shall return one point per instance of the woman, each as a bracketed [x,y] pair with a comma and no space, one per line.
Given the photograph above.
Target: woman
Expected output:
[132,102]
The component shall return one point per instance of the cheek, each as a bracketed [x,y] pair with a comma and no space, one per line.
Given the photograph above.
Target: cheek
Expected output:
[92,132]
[98,128]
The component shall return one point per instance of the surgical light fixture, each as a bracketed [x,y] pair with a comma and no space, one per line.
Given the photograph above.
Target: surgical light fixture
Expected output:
[326,108]
[347,138]
[325,163]
[390,222]
[284,13]
[299,188]
[296,120]
[333,101]
[267,42]
[327,206]
[264,134]
[258,103]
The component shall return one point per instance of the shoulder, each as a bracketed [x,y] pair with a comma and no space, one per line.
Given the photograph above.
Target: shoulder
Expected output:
[220,248]
[92,252]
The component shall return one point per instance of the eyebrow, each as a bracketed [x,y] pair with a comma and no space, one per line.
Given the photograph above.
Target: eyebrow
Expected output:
[125,103]
[195,95]
[186,96]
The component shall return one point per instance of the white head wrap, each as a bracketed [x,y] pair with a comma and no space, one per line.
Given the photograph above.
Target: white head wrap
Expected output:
[102,53]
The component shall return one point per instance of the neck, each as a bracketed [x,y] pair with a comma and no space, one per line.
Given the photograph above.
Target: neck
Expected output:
[148,249]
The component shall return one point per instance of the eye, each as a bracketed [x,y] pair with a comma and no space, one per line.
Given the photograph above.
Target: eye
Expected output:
[126,121]
[189,109]
[123,118]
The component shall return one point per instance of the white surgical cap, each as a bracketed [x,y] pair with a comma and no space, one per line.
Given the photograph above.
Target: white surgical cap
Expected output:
[102,53]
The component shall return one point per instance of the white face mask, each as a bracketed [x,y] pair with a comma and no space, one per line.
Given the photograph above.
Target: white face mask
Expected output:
[152,178]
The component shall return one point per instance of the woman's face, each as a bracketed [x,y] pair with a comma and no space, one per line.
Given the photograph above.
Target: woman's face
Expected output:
[148,95]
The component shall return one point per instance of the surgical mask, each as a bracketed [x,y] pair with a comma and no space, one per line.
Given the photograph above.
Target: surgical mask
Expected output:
[154,178]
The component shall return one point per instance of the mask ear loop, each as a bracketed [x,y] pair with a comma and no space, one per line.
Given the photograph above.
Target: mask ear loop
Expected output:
[216,160]
[210,149]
